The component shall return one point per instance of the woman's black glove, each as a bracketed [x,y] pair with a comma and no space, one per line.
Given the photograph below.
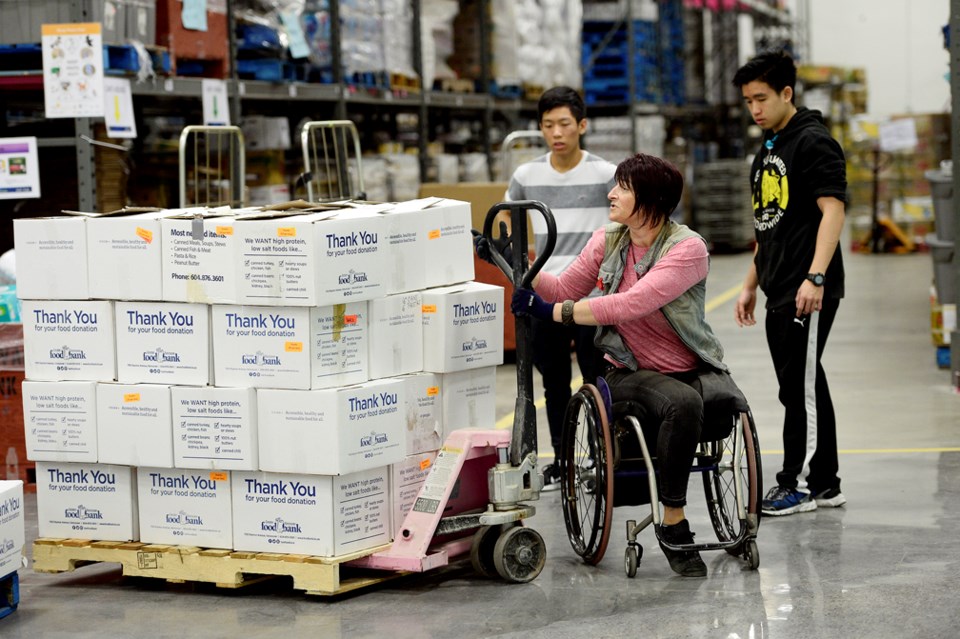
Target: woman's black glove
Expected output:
[526,302]
[503,245]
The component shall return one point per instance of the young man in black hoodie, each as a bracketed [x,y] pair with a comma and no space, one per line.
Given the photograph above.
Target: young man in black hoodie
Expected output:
[799,183]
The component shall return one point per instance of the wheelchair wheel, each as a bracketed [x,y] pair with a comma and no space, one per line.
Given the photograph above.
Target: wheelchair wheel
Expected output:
[720,485]
[586,475]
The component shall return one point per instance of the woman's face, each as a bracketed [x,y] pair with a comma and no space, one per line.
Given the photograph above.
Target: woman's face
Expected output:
[622,201]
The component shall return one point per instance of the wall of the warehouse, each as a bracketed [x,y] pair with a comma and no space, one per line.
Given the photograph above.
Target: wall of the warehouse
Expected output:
[898,42]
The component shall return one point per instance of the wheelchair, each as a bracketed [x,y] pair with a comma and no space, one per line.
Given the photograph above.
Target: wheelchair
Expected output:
[605,462]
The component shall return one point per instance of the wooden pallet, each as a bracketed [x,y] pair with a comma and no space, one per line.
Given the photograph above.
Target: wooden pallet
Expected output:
[226,568]
[455,85]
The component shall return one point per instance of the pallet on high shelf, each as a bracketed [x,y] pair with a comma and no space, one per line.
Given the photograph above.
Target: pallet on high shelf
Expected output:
[532,91]
[226,568]
[118,59]
[404,83]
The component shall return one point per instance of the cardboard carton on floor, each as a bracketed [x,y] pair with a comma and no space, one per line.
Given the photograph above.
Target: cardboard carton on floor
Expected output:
[87,501]
[12,525]
[60,421]
[214,428]
[311,514]
[185,507]
[69,340]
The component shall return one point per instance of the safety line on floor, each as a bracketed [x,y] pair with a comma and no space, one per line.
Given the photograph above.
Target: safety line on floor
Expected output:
[507,420]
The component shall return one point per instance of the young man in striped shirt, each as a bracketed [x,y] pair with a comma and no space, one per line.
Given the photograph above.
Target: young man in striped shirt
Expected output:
[574,184]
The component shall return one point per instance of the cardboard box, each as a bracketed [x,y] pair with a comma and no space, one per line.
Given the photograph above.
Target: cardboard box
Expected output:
[185,508]
[396,335]
[261,132]
[317,259]
[134,425]
[311,514]
[163,343]
[124,257]
[422,412]
[12,525]
[469,399]
[340,339]
[406,478]
[331,432]
[462,327]
[431,242]
[51,258]
[60,421]
[261,347]
[199,258]
[87,501]
[69,340]
[215,428]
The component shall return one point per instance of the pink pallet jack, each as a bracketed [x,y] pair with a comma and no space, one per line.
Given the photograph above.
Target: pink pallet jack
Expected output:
[474,499]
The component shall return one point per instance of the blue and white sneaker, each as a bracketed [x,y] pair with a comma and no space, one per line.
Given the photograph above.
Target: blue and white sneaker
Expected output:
[786,501]
[830,498]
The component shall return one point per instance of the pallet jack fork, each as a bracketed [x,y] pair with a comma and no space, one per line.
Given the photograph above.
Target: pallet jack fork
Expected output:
[474,498]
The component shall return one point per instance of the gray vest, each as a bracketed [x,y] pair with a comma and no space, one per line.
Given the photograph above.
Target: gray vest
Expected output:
[684,314]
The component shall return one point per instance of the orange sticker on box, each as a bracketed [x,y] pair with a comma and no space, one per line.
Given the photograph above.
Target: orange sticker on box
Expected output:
[350,319]
[433,391]
[145,234]
[429,308]
[293,347]
[434,234]
[215,476]
[131,397]
[224,230]
[287,231]
[425,464]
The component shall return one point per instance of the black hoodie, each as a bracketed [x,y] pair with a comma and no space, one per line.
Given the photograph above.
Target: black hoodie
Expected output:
[791,170]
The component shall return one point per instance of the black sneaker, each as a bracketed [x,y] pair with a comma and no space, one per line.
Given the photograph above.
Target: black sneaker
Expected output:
[830,498]
[551,478]
[686,563]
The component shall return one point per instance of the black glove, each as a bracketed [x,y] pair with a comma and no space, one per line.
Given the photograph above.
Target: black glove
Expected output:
[526,302]
[503,245]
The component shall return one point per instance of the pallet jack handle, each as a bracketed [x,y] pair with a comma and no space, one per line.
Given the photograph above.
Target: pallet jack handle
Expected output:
[521,274]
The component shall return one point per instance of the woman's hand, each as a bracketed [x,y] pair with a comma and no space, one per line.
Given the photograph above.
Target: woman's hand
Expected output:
[526,302]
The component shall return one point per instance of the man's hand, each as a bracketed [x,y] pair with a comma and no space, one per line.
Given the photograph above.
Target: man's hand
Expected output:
[526,302]
[809,298]
[503,245]
[743,311]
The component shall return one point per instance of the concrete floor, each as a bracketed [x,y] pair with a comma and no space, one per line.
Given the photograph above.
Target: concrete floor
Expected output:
[886,565]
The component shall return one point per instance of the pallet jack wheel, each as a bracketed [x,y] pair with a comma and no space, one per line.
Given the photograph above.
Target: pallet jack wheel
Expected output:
[519,554]
[481,551]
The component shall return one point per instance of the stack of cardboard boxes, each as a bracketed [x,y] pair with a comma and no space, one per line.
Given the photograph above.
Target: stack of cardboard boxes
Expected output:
[263,380]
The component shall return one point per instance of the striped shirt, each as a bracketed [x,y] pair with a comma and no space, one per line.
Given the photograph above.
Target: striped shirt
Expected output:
[577,199]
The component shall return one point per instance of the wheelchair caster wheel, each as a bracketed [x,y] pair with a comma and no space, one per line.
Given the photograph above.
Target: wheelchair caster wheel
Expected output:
[631,559]
[752,554]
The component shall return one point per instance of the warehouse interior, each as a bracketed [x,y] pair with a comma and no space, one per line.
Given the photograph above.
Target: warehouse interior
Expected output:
[248,126]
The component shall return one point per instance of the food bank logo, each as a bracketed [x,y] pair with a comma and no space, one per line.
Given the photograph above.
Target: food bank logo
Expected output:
[67,353]
[278,525]
[161,356]
[82,513]
[183,519]
[474,344]
[260,359]
[352,277]
[373,438]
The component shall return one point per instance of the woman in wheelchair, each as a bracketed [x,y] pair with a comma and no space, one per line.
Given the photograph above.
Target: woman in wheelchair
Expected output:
[651,278]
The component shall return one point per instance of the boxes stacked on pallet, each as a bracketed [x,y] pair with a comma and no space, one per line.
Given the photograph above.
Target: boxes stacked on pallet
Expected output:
[605,61]
[248,379]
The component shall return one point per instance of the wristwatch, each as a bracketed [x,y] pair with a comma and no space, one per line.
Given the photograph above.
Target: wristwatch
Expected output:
[816,278]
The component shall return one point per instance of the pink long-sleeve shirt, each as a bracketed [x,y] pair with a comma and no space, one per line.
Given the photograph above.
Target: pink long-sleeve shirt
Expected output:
[634,309]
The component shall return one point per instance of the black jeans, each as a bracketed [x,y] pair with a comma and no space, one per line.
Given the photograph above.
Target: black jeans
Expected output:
[809,424]
[551,356]
[671,406]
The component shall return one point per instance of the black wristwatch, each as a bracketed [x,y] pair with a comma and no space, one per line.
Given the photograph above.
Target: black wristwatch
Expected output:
[816,278]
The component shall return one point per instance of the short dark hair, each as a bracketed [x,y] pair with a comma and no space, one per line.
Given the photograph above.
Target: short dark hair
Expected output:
[656,185]
[775,67]
[561,97]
